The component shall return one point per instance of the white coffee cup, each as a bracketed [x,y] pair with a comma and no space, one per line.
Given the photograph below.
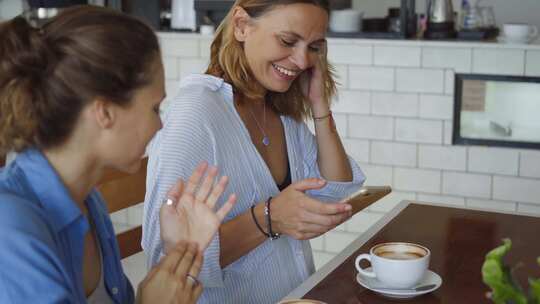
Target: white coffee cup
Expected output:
[396,265]
[519,32]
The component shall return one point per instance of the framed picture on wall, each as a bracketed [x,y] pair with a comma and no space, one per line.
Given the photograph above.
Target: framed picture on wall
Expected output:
[492,110]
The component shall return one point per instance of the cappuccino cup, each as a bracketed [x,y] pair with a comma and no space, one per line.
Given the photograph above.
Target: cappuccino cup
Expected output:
[396,265]
[519,32]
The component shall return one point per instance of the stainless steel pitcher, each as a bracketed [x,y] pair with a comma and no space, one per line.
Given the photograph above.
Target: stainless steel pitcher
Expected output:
[440,11]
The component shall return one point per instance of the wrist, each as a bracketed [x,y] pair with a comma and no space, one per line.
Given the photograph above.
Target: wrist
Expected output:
[259,218]
[317,118]
[268,212]
[320,110]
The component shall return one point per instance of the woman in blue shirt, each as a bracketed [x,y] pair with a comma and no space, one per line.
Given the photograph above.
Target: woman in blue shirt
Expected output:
[77,96]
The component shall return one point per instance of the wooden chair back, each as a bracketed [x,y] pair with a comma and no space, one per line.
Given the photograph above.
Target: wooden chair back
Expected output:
[121,190]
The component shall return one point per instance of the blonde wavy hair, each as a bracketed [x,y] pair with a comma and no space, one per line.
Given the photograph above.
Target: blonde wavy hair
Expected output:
[228,60]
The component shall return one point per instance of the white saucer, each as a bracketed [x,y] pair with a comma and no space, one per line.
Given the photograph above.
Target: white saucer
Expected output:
[430,278]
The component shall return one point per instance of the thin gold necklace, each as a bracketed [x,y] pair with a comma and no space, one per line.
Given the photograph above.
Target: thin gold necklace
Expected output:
[266,139]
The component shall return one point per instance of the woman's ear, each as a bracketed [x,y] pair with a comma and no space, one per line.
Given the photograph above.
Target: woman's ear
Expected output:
[240,22]
[104,112]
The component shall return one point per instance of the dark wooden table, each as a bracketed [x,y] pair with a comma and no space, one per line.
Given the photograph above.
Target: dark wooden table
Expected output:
[458,239]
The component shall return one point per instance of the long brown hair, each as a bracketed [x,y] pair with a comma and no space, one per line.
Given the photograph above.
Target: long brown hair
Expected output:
[228,60]
[48,74]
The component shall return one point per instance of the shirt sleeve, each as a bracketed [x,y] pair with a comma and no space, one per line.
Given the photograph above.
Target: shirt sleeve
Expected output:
[185,140]
[30,267]
[333,191]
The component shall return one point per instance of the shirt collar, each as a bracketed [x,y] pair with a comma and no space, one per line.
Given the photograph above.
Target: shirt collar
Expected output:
[49,189]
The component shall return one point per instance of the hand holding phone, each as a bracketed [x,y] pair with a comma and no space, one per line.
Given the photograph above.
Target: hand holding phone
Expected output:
[366,196]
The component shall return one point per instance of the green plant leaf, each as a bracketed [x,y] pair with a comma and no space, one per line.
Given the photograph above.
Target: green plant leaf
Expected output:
[499,278]
[535,290]
[499,252]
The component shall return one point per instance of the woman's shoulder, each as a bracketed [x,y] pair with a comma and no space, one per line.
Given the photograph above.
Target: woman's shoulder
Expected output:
[200,96]
[203,88]
[21,214]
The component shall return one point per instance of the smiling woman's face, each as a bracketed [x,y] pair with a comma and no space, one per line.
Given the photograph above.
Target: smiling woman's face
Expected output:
[283,43]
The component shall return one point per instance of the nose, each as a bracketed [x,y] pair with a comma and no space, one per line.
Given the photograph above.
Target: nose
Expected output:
[300,58]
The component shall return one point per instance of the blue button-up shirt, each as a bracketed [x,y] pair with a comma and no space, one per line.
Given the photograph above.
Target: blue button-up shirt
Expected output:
[42,237]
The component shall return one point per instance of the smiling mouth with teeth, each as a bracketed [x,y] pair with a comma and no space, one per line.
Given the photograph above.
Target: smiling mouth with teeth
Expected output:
[284,71]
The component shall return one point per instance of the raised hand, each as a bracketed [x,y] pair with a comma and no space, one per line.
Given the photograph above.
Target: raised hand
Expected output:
[168,282]
[189,212]
[301,217]
[313,83]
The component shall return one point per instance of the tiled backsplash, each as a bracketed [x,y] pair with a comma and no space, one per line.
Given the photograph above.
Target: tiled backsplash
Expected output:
[395,117]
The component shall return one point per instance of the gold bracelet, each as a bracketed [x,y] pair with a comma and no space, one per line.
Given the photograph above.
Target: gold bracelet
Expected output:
[322,117]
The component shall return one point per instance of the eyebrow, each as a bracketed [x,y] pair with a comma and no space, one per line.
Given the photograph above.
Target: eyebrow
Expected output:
[298,36]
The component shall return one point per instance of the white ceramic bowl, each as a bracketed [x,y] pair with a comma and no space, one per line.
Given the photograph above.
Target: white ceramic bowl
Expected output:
[346,21]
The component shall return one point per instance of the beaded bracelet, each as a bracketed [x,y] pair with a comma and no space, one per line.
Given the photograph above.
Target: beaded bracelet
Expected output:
[272,235]
[257,223]
[322,117]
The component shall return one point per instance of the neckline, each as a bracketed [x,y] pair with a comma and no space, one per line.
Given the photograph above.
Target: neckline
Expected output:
[268,173]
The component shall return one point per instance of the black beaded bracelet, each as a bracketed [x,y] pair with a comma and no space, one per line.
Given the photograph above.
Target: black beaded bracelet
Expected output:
[257,223]
[271,233]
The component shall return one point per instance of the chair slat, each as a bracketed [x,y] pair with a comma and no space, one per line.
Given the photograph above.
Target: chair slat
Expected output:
[130,242]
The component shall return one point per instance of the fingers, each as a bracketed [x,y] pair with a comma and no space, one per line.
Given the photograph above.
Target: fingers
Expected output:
[224,210]
[195,177]
[192,282]
[217,191]
[186,262]
[172,259]
[196,293]
[175,192]
[329,221]
[308,184]
[315,206]
[171,200]
[206,185]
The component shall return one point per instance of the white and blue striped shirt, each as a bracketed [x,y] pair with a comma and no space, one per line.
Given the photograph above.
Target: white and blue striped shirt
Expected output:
[201,123]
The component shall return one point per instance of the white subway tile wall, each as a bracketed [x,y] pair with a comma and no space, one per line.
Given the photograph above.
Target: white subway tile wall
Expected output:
[371,78]
[493,160]
[420,80]
[436,106]
[347,53]
[498,61]
[443,157]
[394,115]
[395,104]
[529,165]
[392,153]
[399,57]
[354,102]
[419,131]
[458,59]
[467,184]
[532,68]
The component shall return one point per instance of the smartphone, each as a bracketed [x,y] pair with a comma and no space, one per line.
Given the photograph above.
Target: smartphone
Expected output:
[366,196]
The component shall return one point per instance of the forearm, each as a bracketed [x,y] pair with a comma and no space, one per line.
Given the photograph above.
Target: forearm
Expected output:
[240,235]
[331,157]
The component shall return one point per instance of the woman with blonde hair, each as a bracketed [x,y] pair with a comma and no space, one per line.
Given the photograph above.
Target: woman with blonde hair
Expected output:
[78,96]
[268,72]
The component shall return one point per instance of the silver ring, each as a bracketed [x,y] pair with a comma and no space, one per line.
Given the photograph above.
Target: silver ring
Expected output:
[194,281]
[168,201]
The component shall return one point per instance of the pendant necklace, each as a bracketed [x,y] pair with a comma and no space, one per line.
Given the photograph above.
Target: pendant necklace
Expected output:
[266,139]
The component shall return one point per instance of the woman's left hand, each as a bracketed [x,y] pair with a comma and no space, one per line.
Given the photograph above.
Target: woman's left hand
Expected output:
[188,214]
[312,84]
